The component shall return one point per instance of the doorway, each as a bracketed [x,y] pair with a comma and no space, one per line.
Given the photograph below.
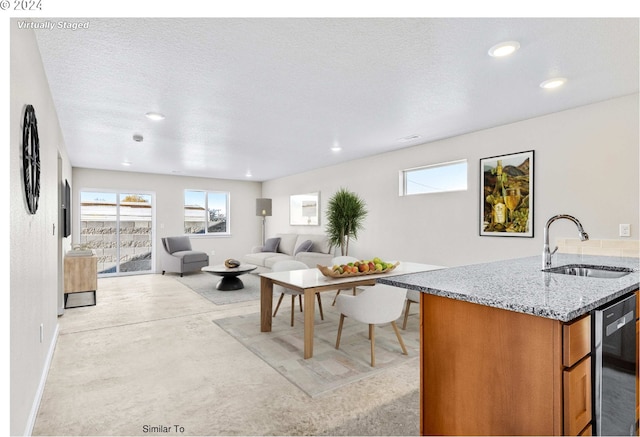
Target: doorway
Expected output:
[119,228]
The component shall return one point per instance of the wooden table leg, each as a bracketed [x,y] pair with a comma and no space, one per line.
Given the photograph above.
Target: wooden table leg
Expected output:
[266,303]
[309,319]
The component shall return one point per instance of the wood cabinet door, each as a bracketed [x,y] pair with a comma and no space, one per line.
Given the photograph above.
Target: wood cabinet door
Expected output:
[577,397]
[488,371]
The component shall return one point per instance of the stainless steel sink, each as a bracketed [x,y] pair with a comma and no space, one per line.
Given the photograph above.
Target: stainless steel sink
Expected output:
[585,270]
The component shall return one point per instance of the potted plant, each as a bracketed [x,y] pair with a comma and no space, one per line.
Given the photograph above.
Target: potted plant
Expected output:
[346,212]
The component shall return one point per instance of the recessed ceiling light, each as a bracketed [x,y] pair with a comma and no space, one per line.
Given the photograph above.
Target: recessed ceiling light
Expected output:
[156,116]
[336,148]
[126,163]
[553,83]
[504,49]
[249,175]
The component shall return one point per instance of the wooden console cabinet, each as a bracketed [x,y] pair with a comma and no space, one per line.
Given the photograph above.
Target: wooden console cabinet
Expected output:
[80,276]
[489,371]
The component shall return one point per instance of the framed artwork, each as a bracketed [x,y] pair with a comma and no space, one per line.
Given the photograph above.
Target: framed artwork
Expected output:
[304,209]
[506,195]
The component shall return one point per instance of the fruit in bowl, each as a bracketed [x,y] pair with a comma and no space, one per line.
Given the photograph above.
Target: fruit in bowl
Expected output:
[360,267]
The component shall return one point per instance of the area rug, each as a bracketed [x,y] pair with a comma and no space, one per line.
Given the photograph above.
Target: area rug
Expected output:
[205,285]
[329,368]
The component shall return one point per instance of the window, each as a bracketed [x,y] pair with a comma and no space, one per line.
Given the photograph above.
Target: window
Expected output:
[436,178]
[206,212]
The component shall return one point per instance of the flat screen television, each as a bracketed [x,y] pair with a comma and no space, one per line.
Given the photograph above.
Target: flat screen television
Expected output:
[66,210]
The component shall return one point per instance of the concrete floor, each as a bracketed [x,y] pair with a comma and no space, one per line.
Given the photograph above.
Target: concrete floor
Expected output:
[148,358]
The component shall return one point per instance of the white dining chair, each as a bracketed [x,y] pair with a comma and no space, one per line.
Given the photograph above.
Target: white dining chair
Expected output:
[413,296]
[285,266]
[376,305]
[340,260]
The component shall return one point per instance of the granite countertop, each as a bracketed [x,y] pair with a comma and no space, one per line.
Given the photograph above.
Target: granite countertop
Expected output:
[520,285]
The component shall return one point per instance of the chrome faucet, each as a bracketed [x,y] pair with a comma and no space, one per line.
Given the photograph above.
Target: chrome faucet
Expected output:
[546,254]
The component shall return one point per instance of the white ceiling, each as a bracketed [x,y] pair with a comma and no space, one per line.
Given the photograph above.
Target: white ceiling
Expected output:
[273,95]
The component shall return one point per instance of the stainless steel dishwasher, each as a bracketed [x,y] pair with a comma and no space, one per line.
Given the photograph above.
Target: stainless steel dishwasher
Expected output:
[614,368]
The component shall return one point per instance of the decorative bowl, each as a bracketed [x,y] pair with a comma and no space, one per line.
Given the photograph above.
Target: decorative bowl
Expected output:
[328,271]
[231,263]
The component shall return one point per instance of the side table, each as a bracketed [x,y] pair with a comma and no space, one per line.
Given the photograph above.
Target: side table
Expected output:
[80,276]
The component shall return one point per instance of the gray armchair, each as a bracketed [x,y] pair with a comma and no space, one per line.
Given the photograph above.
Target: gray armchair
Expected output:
[177,256]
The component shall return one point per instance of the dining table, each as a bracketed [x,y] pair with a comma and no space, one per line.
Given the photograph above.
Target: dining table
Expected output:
[311,281]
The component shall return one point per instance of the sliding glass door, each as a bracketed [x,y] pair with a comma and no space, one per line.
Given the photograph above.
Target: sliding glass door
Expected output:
[118,227]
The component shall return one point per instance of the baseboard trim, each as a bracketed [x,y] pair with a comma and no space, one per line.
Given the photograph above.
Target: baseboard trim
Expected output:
[43,380]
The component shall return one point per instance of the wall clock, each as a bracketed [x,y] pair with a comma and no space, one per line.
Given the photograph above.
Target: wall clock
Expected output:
[31,159]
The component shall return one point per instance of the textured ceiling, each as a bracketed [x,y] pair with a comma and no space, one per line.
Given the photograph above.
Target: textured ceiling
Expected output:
[271,96]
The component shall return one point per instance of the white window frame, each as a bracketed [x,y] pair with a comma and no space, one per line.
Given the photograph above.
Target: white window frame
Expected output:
[404,173]
[76,229]
[206,232]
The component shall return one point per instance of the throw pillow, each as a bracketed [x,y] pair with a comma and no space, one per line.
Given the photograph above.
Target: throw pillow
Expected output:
[305,246]
[271,245]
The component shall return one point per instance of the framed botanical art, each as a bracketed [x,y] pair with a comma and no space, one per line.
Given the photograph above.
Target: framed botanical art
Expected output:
[506,195]
[304,209]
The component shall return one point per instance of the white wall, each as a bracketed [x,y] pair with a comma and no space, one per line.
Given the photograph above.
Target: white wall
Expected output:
[586,165]
[169,203]
[33,244]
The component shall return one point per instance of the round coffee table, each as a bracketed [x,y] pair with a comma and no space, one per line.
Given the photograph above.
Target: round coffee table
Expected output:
[230,280]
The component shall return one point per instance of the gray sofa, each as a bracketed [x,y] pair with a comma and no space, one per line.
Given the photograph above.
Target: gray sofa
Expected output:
[291,246]
[177,256]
